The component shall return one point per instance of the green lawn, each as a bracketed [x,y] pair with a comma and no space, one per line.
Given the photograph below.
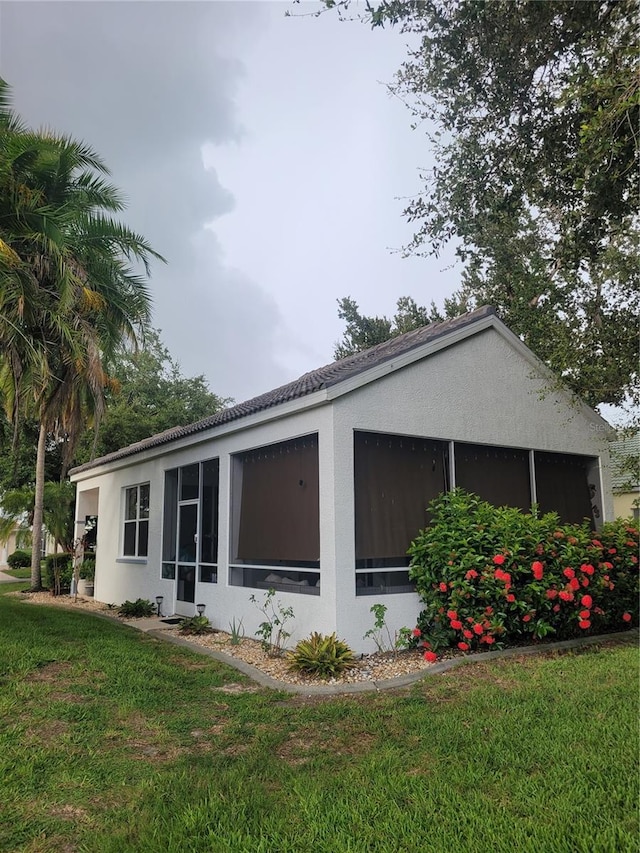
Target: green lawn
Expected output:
[19,574]
[113,741]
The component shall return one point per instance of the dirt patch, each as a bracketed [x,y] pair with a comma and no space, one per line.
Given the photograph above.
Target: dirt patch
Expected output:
[68,812]
[49,672]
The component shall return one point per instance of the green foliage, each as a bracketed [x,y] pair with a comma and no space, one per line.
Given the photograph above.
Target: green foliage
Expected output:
[381,633]
[272,630]
[196,625]
[88,568]
[19,559]
[138,609]
[362,332]
[58,571]
[236,631]
[532,115]
[492,576]
[320,655]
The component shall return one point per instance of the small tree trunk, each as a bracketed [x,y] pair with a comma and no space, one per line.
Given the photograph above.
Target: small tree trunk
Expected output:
[36,574]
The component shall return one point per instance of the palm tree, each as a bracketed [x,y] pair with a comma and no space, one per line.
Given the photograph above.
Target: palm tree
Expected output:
[68,292]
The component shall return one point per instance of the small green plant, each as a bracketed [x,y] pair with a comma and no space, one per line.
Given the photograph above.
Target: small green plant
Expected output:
[236,630]
[321,655]
[381,633]
[88,568]
[137,609]
[19,560]
[196,625]
[272,629]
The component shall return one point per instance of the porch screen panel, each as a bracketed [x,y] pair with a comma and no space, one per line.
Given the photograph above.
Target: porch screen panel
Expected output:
[210,502]
[279,504]
[395,478]
[562,486]
[498,475]
[169,520]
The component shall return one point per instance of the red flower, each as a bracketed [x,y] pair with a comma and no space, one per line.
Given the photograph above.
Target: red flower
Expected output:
[463,647]
[630,544]
[488,610]
[416,632]
[452,614]
[511,597]
[498,575]
[556,608]
[566,596]
[471,574]
[558,534]
[587,568]
[626,617]
[585,581]
[584,624]
[456,625]
[526,617]
[442,587]
[478,629]
[431,657]
[467,634]
[608,565]
[425,644]
[574,583]
[569,573]
[552,593]
[597,543]
[488,639]
[538,570]
[498,560]
[585,614]
[612,551]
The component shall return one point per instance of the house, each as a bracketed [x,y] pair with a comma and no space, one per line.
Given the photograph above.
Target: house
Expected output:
[317,488]
[625,453]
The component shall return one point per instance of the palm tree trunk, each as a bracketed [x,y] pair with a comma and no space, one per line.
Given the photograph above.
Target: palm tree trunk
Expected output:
[36,539]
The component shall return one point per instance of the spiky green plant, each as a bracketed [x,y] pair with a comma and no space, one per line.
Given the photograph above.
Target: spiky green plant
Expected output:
[321,655]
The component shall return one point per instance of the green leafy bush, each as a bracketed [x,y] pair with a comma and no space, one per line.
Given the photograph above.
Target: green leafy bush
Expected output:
[58,571]
[137,609]
[88,568]
[494,576]
[19,560]
[272,629]
[196,625]
[321,655]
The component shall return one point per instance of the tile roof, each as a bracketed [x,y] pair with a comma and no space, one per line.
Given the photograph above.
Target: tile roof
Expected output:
[316,380]
[622,477]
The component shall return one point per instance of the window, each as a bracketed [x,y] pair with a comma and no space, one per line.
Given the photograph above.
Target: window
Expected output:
[395,478]
[276,524]
[136,521]
[498,475]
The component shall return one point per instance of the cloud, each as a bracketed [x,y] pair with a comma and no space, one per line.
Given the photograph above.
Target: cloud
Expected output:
[147,85]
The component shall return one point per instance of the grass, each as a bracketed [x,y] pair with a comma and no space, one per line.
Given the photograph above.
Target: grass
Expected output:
[112,741]
[19,574]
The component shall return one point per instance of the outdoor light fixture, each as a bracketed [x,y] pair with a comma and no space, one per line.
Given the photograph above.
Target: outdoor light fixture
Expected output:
[200,608]
[159,599]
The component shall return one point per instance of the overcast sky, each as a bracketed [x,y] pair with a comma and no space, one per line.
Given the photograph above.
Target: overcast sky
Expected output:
[260,154]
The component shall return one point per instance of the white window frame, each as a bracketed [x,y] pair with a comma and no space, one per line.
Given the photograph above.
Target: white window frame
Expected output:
[139,518]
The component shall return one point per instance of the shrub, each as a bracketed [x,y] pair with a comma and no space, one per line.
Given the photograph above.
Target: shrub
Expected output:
[493,576]
[137,609]
[88,568]
[58,571]
[196,625]
[321,655]
[19,560]
[272,629]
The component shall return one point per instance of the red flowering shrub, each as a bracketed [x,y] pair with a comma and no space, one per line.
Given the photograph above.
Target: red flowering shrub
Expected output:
[495,576]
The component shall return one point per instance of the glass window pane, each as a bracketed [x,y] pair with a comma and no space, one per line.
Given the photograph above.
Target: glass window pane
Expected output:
[143,538]
[189,482]
[129,549]
[131,503]
[144,501]
[168,571]
[170,518]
